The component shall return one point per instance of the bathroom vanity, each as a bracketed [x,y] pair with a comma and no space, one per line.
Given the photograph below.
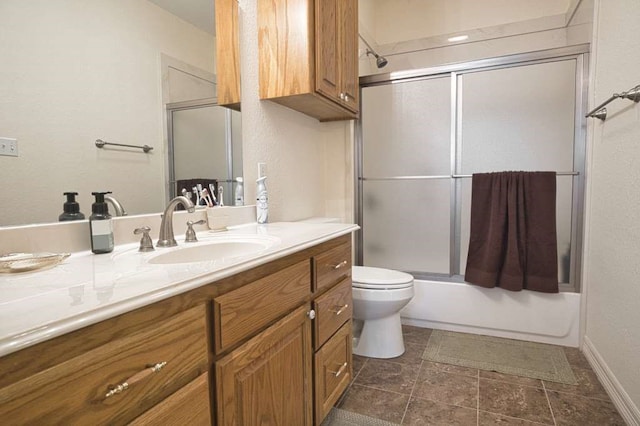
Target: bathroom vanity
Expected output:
[230,342]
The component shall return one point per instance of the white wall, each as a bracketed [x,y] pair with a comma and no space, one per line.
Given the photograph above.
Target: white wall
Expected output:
[401,20]
[611,268]
[494,29]
[306,160]
[74,71]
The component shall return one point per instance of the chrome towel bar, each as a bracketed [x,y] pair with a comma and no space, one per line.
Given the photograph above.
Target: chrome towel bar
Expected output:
[600,111]
[444,177]
[100,144]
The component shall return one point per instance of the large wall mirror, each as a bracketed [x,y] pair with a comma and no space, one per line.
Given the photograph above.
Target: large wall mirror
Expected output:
[122,71]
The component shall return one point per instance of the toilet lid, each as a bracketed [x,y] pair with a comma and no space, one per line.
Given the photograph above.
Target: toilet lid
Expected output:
[379,278]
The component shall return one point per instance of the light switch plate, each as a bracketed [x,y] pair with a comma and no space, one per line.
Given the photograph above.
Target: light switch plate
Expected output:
[9,147]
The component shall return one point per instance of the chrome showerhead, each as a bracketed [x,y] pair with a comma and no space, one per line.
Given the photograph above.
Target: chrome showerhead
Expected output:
[381,61]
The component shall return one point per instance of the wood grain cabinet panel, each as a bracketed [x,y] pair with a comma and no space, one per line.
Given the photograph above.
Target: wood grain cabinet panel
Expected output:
[333,266]
[188,406]
[308,56]
[227,54]
[243,312]
[333,371]
[333,309]
[75,391]
[267,380]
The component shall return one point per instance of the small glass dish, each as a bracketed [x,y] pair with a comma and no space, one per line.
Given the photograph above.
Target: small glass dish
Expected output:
[23,262]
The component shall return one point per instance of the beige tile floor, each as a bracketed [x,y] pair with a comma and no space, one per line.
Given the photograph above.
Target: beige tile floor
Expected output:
[410,391]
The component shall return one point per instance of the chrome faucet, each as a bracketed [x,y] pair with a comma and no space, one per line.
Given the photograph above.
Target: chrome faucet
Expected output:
[117,207]
[166,238]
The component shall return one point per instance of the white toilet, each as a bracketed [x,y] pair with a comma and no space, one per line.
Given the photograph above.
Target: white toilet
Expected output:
[378,296]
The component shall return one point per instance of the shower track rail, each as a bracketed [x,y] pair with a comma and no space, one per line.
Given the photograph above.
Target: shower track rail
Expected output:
[443,177]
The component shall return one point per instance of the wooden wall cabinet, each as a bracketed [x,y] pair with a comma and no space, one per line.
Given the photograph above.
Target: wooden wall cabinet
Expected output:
[244,350]
[308,52]
[227,54]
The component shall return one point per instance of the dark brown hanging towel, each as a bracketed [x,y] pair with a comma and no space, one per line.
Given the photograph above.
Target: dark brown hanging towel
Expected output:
[513,241]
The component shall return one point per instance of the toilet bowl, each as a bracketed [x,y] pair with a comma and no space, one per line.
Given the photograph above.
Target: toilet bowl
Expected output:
[378,296]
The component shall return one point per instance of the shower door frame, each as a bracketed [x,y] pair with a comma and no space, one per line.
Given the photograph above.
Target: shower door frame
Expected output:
[579,53]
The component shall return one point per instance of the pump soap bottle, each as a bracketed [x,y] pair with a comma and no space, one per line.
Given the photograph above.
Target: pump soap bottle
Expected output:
[262,205]
[101,225]
[71,208]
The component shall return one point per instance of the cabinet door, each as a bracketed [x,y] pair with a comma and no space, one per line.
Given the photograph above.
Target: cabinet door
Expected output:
[188,406]
[267,380]
[333,371]
[327,45]
[348,27]
[227,53]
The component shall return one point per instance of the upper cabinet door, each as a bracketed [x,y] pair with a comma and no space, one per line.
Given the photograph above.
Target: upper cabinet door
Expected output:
[227,54]
[327,49]
[348,20]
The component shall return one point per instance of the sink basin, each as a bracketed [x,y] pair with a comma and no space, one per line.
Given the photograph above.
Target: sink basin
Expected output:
[211,251]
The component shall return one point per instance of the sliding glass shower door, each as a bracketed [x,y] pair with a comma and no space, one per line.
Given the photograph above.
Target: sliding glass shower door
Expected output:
[421,138]
[406,130]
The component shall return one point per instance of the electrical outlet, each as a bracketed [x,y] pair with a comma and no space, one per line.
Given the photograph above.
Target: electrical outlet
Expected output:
[9,147]
[262,169]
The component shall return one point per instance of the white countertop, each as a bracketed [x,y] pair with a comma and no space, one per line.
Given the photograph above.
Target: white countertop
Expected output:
[88,288]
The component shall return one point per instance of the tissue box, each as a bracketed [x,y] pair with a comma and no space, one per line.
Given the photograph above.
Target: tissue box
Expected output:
[217,220]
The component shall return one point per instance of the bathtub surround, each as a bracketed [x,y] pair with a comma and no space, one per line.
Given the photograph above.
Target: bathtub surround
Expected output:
[512,241]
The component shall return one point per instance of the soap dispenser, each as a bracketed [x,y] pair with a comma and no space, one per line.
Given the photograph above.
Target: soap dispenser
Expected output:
[262,201]
[101,225]
[71,208]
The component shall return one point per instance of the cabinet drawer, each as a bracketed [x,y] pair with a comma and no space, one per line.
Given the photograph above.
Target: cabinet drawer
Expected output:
[188,406]
[333,266]
[332,309]
[75,391]
[245,311]
[333,371]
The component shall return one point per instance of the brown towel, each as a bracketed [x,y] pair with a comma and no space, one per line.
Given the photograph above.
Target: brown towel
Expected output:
[513,241]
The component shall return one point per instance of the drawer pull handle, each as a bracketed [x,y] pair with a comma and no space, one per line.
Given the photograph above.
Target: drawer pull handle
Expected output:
[340,265]
[340,309]
[340,370]
[136,378]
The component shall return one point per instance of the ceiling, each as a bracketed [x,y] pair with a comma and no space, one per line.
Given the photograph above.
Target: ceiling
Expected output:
[197,12]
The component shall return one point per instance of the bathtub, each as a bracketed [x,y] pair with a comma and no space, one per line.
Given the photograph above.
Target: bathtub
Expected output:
[524,315]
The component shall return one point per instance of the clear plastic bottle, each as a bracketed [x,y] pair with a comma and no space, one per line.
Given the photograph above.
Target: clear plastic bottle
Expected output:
[262,201]
[238,199]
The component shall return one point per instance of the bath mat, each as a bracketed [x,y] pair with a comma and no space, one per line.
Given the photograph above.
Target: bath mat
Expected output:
[527,359]
[338,417]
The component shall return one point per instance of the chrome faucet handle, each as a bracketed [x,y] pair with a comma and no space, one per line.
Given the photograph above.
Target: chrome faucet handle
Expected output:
[190,236]
[146,244]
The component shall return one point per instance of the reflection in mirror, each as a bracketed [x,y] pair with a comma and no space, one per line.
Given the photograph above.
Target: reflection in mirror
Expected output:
[73,72]
[204,145]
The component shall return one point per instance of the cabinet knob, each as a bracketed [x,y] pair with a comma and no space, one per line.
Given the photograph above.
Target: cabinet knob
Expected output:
[311,314]
[342,95]
[346,97]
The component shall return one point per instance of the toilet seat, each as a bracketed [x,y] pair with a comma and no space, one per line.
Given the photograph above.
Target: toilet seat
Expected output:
[367,277]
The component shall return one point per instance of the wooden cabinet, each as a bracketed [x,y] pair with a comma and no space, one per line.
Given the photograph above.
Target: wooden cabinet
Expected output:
[333,370]
[268,379]
[243,350]
[308,52]
[188,406]
[91,388]
[227,54]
